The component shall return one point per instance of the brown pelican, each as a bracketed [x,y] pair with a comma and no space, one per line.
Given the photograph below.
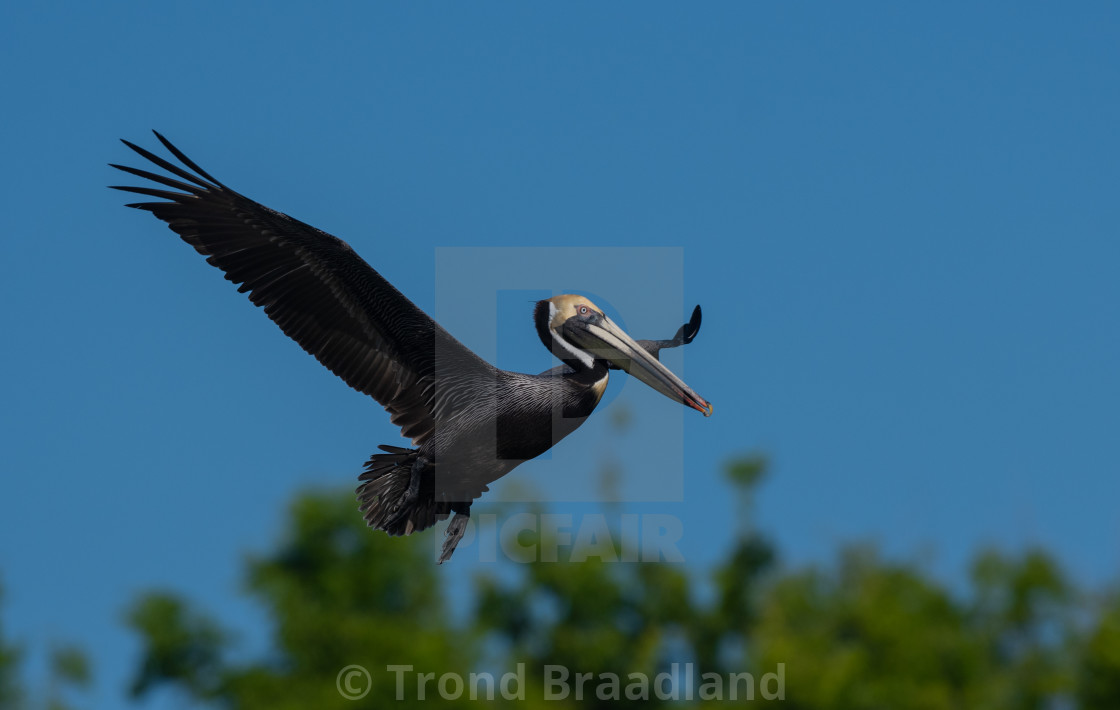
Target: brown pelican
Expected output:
[470,423]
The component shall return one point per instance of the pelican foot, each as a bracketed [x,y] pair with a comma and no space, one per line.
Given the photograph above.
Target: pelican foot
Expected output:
[455,531]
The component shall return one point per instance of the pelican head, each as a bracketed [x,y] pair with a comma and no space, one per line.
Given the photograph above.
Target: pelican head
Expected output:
[579,333]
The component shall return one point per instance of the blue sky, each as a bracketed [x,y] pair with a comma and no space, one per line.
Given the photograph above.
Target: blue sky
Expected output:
[901,222]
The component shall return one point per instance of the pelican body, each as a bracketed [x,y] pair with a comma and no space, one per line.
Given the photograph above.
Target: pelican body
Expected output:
[470,423]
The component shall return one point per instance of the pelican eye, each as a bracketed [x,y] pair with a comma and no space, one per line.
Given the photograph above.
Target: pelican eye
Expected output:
[583,310]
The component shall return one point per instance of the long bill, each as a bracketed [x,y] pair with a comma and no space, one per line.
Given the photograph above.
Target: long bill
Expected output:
[604,339]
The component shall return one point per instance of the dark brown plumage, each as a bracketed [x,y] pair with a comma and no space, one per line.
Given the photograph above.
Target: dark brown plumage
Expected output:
[476,421]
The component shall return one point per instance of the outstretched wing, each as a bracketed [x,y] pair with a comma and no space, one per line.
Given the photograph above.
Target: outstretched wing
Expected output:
[319,291]
[684,336]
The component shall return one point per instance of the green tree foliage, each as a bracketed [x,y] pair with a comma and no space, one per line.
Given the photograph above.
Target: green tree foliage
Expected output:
[69,672]
[1099,673]
[596,615]
[870,634]
[858,632]
[9,665]
[338,596]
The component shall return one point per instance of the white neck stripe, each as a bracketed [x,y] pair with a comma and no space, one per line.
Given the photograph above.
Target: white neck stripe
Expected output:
[580,355]
[583,357]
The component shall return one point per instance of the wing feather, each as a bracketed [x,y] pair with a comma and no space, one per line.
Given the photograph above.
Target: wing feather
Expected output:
[318,291]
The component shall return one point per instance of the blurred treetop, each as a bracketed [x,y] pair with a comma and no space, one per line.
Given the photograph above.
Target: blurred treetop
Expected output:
[356,613]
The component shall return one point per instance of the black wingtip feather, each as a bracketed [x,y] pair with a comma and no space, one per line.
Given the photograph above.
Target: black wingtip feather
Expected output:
[175,169]
[152,192]
[692,327]
[184,159]
[161,179]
